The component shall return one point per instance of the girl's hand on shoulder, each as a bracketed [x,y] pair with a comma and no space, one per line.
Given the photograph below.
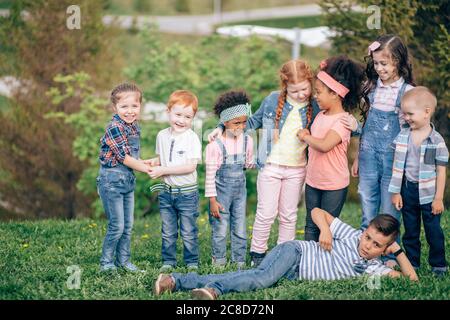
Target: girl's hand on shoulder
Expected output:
[214,134]
[349,122]
[302,133]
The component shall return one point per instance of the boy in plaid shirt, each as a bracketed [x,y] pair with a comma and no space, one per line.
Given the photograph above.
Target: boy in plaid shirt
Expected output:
[418,178]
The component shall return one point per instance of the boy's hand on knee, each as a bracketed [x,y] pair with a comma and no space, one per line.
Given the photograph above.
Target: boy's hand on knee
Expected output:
[397,201]
[437,207]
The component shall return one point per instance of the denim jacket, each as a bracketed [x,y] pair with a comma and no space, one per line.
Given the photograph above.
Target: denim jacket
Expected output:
[264,118]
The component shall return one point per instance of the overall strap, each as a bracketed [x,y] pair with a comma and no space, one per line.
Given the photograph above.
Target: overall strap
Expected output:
[245,148]
[372,96]
[224,150]
[401,92]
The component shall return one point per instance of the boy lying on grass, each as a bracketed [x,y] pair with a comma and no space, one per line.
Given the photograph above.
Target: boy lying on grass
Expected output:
[342,252]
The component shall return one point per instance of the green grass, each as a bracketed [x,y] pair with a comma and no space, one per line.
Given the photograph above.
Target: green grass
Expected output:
[155,7]
[35,256]
[288,23]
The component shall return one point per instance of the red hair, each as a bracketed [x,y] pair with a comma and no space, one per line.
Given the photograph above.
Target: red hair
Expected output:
[183,97]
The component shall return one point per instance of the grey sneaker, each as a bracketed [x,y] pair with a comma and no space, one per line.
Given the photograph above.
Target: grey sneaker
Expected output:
[108,267]
[164,283]
[166,268]
[192,268]
[204,294]
[132,268]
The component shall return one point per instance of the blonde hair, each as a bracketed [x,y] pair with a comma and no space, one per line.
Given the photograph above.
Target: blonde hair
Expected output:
[292,72]
[422,97]
[184,97]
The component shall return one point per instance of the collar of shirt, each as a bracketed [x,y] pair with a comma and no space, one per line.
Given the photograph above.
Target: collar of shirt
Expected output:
[395,84]
[433,137]
[122,122]
[295,104]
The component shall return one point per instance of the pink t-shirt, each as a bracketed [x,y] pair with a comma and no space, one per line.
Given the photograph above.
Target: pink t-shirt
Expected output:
[214,157]
[328,170]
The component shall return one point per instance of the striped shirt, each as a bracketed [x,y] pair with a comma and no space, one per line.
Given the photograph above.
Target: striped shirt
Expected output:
[433,152]
[114,143]
[319,264]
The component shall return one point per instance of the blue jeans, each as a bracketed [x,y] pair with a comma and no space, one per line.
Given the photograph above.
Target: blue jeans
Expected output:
[116,190]
[331,201]
[376,157]
[182,207]
[281,262]
[412,211]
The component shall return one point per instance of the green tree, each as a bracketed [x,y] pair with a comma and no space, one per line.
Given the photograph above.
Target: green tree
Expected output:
[39,171]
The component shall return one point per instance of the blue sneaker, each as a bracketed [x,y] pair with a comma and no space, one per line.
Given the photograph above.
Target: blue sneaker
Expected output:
[108,267]
[439,272]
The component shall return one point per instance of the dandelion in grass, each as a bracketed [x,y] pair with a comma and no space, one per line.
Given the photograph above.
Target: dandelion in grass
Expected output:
[25,245]
[300,231]
[145,236]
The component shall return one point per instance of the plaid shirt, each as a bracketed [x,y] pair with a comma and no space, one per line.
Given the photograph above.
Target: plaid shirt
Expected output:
[433,152]
[114,144]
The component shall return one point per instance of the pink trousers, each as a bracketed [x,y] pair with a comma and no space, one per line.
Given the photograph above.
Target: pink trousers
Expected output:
[279,189]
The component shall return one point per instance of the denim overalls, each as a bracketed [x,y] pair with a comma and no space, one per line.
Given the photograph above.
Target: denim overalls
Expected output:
[376,156]
[115,187]
[232,195]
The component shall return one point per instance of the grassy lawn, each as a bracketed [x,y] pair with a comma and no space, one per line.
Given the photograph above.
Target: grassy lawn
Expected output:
[35,257]
[301,22]
[183,7]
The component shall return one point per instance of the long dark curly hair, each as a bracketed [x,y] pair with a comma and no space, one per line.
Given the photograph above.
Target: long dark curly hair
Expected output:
[399,53]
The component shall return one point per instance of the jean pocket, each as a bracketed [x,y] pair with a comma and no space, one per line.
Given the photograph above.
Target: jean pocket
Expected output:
[115,179]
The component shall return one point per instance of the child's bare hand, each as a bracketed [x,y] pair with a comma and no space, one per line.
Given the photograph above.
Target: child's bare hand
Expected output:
[325,240]
[392,248]
[397,201]
[302,133]
[214,134]
[152,162]
[355,168]
[437,207]
[156,172]
[215,208]
[349,122]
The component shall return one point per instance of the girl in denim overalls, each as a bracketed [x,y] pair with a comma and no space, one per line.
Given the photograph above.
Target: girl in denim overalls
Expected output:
[119,155]
[389,75]
[225,185]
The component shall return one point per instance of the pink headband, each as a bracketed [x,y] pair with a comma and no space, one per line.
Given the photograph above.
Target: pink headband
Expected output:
[337,87]
[374,46]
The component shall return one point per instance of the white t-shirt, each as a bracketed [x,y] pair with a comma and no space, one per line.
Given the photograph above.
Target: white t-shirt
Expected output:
[176,150]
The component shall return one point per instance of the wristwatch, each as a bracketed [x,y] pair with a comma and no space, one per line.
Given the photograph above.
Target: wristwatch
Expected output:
[396,253]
